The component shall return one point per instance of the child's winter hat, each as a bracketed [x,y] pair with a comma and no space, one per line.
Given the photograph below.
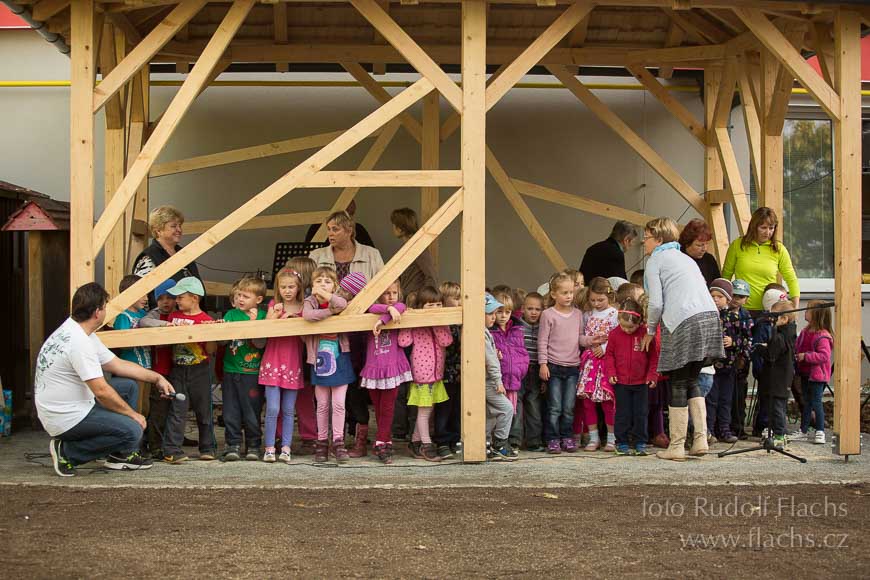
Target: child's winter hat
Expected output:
[741,287]
[353,283]
[771,297]
[615,282]
[722,286]
[491,304]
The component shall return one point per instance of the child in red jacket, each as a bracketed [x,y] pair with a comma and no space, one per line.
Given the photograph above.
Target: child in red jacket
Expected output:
[632,371]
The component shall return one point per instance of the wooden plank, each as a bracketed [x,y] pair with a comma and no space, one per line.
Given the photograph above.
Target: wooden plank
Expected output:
[406,255]
[778,106]
[675,38]
[269,328]
[678,54]
[548,40]
[751,120]
[390,178]
[847,225]
[771,192]
[774,40]
[371,158]
[581,203]
[578,35]
[676,108]
[136,138]
[263,222]
[35,298]
[378,92]
[538,233]
[725,94]
[271,194]
[451,125]
[713,175]
[740,199]
[692,33]
[430,159]
[244,154]
[823,44]
[473,236]
[81,143]
[279,22]
[142,53]
[45,9]
[171,118]
[409,49]
[632,139]
[122,23]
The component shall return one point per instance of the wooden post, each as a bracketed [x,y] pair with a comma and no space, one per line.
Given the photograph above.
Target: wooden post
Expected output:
[771,139]
[81,143]
[36,312]
[139,117]
[847,226]
[429,198]
[714,178]
[473,128]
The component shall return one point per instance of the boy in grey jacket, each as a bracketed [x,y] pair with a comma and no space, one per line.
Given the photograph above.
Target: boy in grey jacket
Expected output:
[499,410]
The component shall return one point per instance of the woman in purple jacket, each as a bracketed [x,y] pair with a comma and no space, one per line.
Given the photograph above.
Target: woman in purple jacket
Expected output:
[507,333]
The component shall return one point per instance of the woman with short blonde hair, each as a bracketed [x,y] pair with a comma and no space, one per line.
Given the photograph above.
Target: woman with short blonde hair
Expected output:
[165,223]
[691,334]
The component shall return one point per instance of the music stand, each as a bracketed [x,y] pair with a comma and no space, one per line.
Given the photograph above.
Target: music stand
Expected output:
[286,250]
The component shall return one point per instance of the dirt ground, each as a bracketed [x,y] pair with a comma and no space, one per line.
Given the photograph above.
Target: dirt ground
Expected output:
[797,531]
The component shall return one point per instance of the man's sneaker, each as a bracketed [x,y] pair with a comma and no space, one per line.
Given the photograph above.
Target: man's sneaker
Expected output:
[779,441]
[553,447]
[819,439]
[252,455]
[415,448]
[569,445]
[132,462]
[180,457]
[269,455]
[62,466]
[640,450]
[623,449]
[444,452]
[285,455]
[502,453]
[231,454]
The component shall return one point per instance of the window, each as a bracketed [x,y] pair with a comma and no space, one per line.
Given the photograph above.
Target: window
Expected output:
[808,196]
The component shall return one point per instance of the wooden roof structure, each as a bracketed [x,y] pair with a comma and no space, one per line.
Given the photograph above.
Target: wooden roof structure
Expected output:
[756,48]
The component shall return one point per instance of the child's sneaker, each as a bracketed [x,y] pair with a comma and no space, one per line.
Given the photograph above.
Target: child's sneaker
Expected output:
[502,453]
[569,445]
[515,451]
[252,455]
[388,453]
[457,448]
[269,455]
[610,447]
[592,446]
[536,448]
[285,455]
[553,447]
[799,436]
[819,439]
[640,450]
[444,452]
[727,437]
[231,453]
[623,449]
[321,451]
[429,452]
[711,439]
[306,448]
[180,457]
[415,448]
[206,456]
[779,441]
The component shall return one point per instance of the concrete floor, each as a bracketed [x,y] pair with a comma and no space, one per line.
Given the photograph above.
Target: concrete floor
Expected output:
[535,470]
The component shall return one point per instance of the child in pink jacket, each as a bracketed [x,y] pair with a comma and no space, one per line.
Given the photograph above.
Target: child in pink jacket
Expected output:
[813,353]
[427,367]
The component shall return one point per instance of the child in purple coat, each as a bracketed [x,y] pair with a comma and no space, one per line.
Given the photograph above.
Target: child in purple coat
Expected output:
[507,333]
[386,368]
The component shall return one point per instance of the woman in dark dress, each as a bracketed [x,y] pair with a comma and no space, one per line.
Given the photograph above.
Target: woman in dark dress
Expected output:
[695,237]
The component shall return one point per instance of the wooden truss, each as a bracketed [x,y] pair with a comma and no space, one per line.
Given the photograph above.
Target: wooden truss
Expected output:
[737,44]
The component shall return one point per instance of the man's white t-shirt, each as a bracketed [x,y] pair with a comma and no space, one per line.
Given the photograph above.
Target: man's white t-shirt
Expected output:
[67,359]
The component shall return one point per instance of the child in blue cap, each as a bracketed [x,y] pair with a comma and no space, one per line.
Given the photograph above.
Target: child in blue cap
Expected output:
[499,410]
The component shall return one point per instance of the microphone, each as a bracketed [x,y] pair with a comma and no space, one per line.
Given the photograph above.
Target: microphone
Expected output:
[177,396]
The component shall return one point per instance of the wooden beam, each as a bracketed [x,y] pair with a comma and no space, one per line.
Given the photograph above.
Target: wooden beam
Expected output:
[45,9]
[430,159]
[409,49]
[724,96]
[698,27]
[244,154]
[823,44]
[750,118]
[171,118]
[279,22]
[678,54]
[740,199]
[538,233]
[263,222]
[142,53]
[675,38]
[269,328]
[847,225]
[35,298]
[543,44]
[771,192]
[778,106]
[581,203]
[391,178]
[271,194]
[774,40]
[473,236]
[135,139]
[451,125]
[372,156]
[692,33]
[632,139]
[81,143]
[676,108]
[406,255]
[378,92]
[713,175]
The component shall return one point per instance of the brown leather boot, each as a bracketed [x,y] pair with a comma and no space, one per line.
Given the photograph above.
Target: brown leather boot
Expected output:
[321,451]
[360,441]
[341,455]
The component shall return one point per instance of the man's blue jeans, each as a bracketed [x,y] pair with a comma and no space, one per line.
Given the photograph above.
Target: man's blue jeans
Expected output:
[561,396]
[103,432]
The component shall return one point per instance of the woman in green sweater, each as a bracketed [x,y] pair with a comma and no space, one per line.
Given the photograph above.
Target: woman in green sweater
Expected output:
[758,258]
